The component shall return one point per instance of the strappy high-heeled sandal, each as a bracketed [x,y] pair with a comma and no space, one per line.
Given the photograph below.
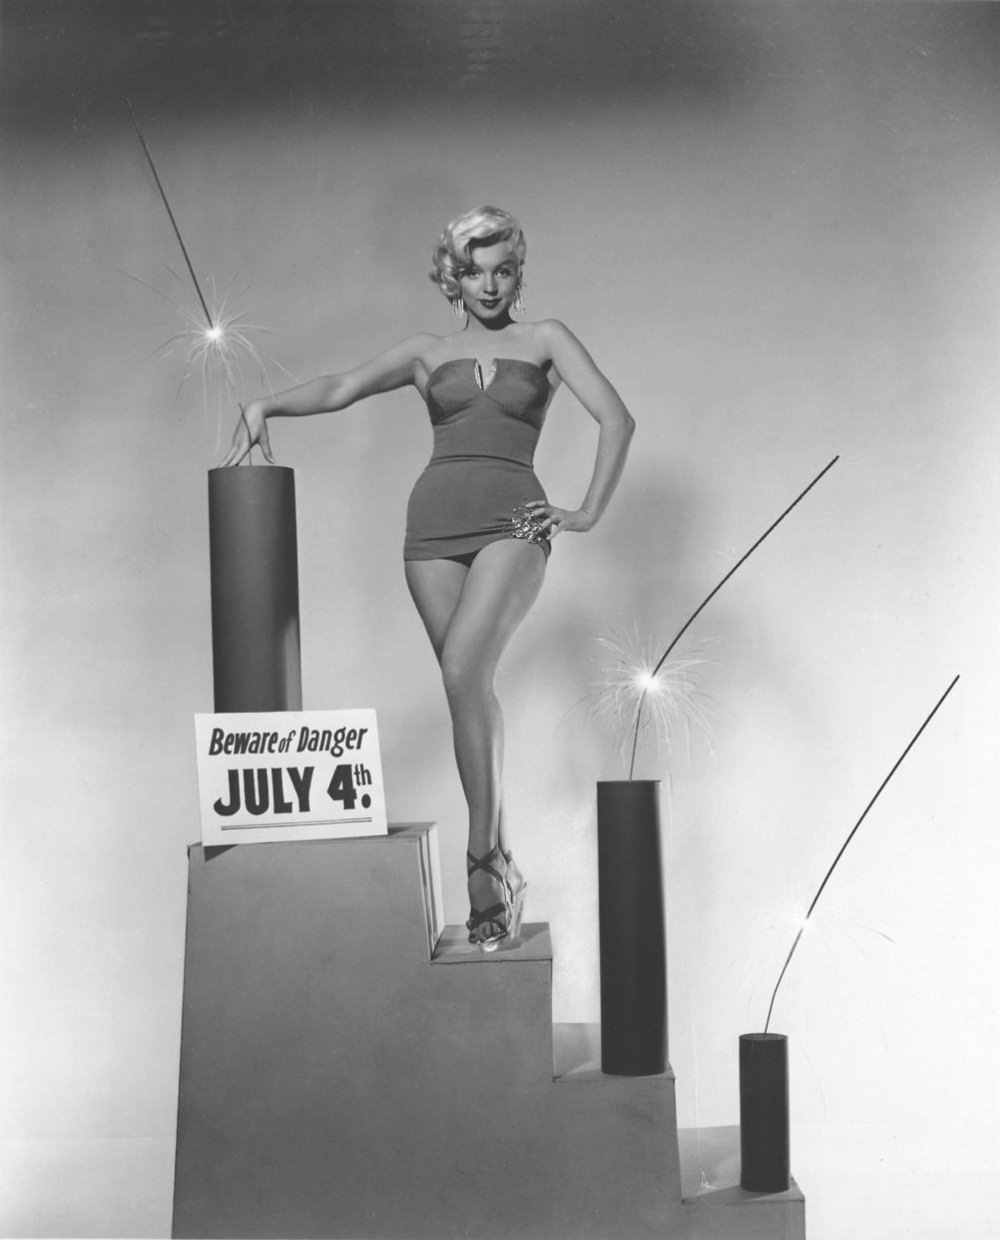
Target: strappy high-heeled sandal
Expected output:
[518,901]
[502,914]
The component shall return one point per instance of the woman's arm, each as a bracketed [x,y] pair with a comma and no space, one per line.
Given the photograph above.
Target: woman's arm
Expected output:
[581,375]
[392,369]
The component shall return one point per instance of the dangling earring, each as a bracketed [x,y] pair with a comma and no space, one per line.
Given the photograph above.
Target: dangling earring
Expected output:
[518,306]
[458,306]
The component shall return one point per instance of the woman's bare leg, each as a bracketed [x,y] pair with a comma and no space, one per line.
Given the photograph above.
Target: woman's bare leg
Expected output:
[470,616]
[436,597]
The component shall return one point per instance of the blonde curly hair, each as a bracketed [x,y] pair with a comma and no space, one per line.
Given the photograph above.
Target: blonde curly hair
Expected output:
[479,227]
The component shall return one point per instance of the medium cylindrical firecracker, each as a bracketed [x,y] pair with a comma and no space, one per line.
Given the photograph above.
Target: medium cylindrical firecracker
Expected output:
[255,588]
[764,1144]
[632,929]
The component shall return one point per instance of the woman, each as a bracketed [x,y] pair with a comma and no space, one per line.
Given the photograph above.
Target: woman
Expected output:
[479,527]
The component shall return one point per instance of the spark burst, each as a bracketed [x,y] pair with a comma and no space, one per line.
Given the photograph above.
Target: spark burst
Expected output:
[222,349]
[645,696]
[676,702]
[216,341]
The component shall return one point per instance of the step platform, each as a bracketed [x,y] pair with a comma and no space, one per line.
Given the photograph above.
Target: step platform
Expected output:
[352,1067]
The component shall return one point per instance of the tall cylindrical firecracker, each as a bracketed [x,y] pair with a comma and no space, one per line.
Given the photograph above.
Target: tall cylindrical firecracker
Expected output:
[764,1140]
[632,929]
[255,588]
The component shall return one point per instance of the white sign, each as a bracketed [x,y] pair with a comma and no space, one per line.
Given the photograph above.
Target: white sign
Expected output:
[289,775]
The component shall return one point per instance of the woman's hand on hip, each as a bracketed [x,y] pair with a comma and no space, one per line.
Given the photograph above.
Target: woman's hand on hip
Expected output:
[555,520]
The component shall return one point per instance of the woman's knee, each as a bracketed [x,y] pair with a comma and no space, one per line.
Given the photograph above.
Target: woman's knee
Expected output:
[465,677]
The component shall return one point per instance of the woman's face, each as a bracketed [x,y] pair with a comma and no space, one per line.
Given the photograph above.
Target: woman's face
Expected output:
[489,283]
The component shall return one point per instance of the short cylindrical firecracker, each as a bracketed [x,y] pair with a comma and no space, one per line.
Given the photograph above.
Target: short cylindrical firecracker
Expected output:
[632,929]
[255,588]
[764,1146]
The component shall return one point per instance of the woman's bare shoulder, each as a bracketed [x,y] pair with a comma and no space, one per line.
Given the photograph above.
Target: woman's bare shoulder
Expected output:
[550,338]
[420,345]
[429,352]
[411,355]
[431,349]
[551,333]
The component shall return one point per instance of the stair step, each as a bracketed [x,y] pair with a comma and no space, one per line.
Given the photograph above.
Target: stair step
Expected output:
[453,947]
[576,1057]
[339,1078]
[576,1049]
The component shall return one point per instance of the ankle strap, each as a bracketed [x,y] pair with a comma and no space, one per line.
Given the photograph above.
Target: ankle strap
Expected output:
[483,863]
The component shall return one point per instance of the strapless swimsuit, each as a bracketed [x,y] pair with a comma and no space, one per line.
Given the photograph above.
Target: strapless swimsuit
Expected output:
[486,426]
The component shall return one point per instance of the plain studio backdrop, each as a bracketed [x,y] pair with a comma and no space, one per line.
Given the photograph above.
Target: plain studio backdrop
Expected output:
[777,229]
